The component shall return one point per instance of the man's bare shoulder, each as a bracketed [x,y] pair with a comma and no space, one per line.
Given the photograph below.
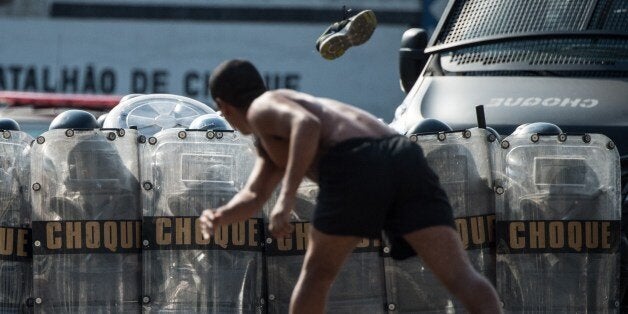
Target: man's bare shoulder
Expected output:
[273,112]
[277,102]
[280,95]
[268,100]
[263,106]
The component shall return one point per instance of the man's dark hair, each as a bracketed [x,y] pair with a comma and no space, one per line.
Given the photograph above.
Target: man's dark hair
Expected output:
[237,82]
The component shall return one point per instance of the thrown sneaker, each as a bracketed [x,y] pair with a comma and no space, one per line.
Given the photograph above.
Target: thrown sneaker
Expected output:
[342,35]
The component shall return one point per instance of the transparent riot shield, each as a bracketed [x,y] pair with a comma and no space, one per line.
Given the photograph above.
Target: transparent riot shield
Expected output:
[15,230]
[184,173]
[359,287]
[86,221]
[558,224]
[462,161]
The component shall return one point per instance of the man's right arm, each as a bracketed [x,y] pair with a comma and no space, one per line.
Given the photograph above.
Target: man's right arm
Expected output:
[258,189]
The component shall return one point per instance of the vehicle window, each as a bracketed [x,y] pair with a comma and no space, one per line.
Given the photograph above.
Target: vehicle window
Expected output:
[552,37]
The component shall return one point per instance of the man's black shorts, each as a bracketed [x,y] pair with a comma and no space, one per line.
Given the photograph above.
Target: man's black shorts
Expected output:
[368,185]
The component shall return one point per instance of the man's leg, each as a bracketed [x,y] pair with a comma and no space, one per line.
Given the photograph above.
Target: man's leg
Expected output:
[441,250]
[323,259]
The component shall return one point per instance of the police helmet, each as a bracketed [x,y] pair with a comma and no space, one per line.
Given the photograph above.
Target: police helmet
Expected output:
[209,122]
[74,119]
[545,128]
[429,126]
[9,124]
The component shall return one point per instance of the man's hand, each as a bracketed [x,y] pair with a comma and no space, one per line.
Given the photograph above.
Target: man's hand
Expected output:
[209,221]
[280,226]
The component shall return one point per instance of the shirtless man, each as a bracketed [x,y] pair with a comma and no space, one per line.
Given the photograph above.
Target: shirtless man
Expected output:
[370,179]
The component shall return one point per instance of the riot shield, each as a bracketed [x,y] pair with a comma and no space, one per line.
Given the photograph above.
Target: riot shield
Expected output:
[86,221]
[462,161]
[184,173]
[558,224]
[359,287]
[15,230]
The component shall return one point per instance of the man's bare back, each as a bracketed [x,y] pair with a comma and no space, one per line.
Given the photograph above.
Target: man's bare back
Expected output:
[339,122]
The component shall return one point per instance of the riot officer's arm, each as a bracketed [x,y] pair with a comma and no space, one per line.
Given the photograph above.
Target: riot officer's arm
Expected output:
[260,185]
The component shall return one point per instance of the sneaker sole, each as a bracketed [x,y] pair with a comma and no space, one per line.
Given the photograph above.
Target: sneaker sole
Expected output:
[357,32]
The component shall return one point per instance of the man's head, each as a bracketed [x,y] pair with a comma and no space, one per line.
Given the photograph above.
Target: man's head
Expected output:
[236,82]
[234,85]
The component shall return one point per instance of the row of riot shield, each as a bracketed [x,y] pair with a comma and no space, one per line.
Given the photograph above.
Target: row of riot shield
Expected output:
[114,218]
[538,214]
